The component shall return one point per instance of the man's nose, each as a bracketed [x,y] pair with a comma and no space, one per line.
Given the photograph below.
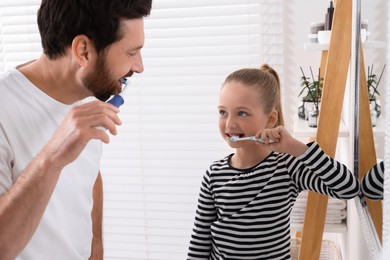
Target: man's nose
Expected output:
[138,66]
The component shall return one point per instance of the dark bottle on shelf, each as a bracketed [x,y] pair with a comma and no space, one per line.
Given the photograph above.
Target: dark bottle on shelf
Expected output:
[329,17]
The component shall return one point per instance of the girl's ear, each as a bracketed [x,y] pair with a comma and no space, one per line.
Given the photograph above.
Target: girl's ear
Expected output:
[83,50]
[272,119]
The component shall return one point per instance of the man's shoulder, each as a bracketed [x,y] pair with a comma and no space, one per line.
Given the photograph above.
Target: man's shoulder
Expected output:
[5,75]
[9,77]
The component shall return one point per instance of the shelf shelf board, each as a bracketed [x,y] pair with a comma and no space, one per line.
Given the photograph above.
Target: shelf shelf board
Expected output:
[329,228]
[302,129]
[324,47]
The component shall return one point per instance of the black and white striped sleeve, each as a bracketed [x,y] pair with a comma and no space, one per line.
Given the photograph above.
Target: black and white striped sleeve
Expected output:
[372,182]
[200,243]
[318,172]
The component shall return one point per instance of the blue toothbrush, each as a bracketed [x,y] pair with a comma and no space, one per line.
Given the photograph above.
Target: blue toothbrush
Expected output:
[117,100]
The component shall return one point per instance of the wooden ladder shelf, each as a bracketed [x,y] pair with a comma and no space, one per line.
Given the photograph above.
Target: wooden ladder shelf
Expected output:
[334,66]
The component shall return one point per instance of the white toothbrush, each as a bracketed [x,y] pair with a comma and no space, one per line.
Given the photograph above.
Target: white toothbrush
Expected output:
[235,138]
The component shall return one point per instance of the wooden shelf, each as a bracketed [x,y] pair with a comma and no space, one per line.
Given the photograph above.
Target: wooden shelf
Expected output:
[335,61]
[329,228]
[324,47]
[302,129]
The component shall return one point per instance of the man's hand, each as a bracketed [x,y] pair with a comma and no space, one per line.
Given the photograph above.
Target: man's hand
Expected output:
[22,207]
[78,128]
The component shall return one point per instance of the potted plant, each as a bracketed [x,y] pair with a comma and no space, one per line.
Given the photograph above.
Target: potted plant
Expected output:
[372,85]
[373,82]
[312,87]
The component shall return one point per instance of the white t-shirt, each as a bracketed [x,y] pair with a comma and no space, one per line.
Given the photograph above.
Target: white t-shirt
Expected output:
[28,119]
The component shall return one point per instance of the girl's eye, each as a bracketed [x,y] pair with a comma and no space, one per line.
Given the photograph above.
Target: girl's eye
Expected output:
[242,113]
[222,113]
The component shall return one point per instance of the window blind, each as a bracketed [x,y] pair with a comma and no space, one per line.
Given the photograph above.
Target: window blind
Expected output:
[19,36]
[153,168]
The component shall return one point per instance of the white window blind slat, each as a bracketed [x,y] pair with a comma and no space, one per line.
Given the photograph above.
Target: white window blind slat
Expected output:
[202,31]
[201,22]
[19,4]
[15,58]
[174,4]
[22,47]
[197,52]
[213,63]
[207,41]
[128,130]
[205,11]
[166,73]
[153,168]
[15,10]
[148,83]
[19,29]
[20,38]
[16,20]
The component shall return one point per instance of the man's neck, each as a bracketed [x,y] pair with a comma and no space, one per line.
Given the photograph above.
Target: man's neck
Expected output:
[57,78]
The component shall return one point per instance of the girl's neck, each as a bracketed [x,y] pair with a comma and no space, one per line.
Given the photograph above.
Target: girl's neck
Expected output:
[245,158]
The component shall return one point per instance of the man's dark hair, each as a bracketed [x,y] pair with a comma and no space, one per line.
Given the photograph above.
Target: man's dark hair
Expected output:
[60,21]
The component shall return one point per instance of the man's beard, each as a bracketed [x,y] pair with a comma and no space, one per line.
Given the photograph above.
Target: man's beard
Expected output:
[99,82]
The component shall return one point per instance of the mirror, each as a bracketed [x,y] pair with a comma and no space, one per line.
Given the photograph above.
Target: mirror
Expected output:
[372,15]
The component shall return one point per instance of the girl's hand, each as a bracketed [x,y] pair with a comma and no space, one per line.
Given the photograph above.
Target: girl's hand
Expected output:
[283,141]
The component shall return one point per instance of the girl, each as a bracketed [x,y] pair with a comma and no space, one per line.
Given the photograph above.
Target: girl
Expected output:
[246,198]
[372,182]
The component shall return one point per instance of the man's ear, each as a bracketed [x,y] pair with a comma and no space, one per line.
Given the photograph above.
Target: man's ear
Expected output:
[83,50]
[272,119]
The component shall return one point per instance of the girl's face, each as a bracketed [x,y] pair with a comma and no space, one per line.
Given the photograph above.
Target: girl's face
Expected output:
[241,113]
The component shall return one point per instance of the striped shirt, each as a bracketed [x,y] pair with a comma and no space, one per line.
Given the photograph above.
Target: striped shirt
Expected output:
[372,182]
[245,213]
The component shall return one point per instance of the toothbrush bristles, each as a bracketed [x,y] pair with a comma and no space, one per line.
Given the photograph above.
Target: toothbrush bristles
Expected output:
[124,83]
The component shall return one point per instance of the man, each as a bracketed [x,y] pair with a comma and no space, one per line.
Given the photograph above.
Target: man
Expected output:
[50,143]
